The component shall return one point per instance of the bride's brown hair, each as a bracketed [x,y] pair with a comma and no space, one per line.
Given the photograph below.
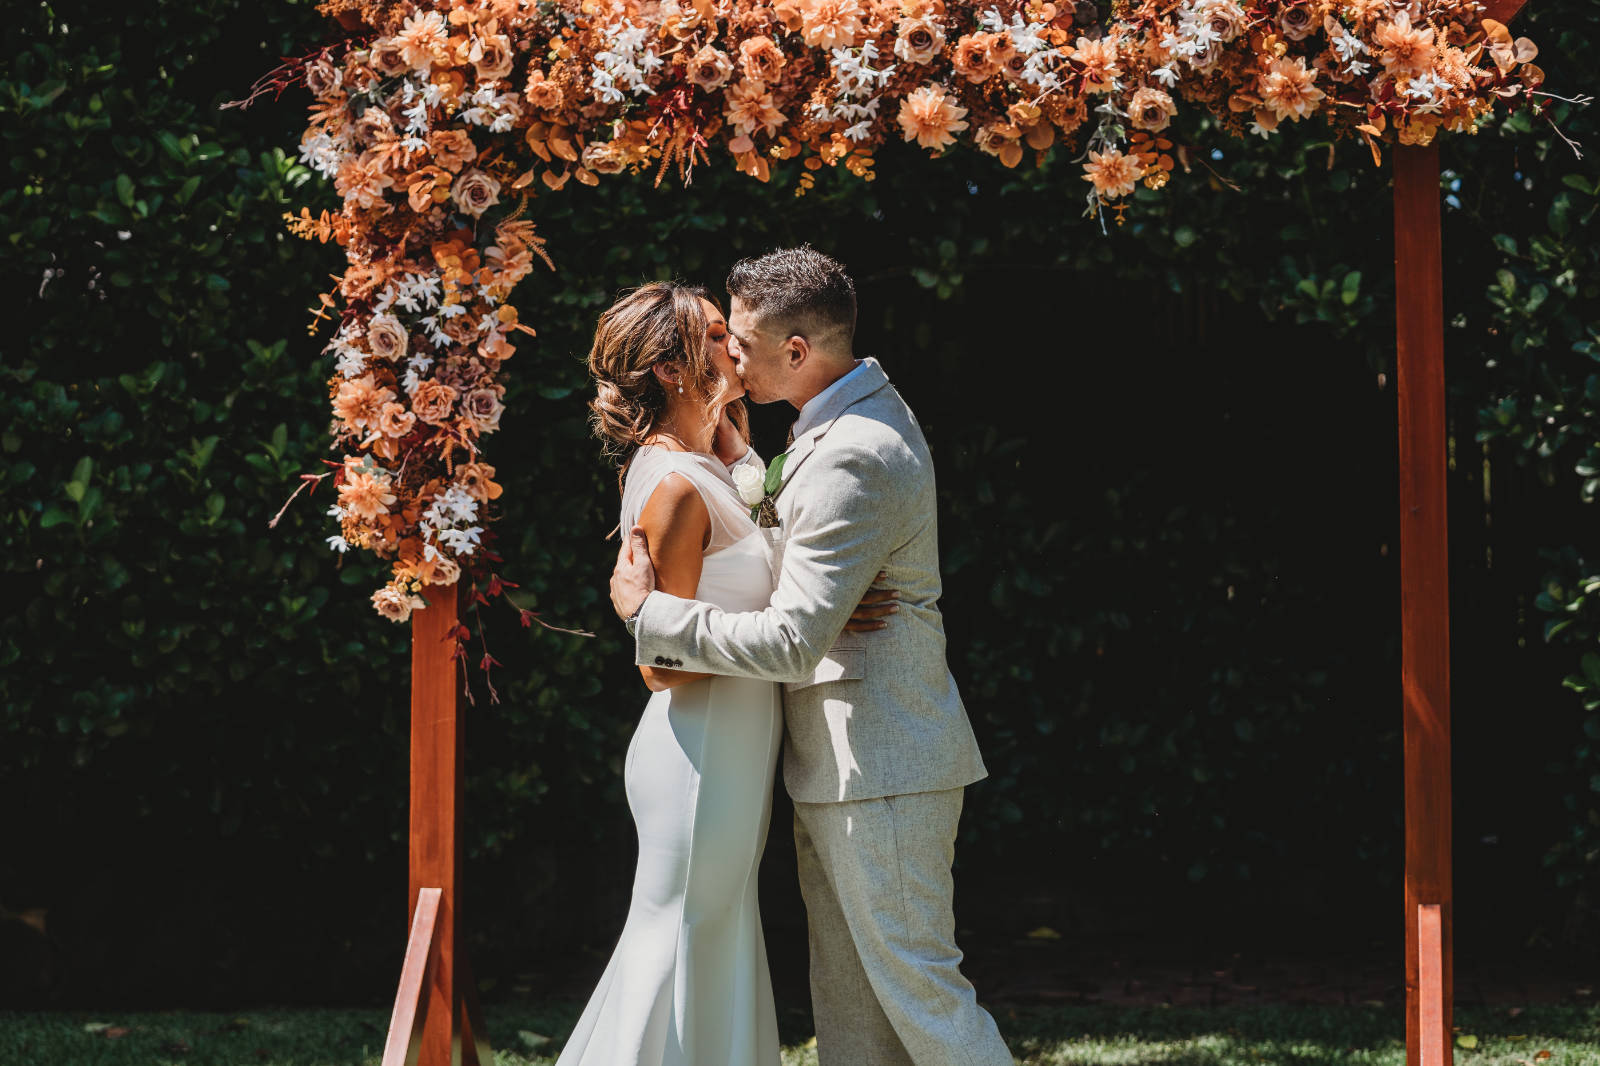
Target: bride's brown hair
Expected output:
[662,322]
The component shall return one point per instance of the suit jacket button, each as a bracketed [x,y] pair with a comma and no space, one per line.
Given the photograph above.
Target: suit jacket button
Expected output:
[660,661]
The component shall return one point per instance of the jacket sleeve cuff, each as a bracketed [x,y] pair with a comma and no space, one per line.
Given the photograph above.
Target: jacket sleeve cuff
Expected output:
[649,647]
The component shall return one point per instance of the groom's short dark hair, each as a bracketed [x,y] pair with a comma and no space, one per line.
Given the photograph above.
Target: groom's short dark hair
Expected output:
[799,291]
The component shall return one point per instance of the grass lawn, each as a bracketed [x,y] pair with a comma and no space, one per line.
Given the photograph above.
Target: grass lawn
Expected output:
[1056,1036]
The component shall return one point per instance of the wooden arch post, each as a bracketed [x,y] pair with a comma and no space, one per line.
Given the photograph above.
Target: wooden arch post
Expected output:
[435,1020]
[1425,596]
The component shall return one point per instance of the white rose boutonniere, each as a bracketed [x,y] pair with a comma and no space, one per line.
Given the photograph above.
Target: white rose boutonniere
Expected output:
[757,490]
[751,484]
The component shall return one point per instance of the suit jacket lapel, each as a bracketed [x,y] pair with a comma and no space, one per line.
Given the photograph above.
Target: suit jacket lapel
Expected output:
[871,380]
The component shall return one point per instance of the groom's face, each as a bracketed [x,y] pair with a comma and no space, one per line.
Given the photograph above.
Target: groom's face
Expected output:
[762,359]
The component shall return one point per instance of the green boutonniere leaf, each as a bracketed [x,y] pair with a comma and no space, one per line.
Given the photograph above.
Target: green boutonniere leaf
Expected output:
[774,475]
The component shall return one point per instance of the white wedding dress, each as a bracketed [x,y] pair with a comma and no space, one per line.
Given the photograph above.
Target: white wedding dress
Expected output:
[688,983]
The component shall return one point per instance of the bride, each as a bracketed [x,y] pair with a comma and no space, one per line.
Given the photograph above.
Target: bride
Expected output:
[688,983]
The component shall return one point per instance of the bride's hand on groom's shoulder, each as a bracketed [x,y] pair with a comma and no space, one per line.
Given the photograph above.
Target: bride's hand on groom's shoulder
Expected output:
[874,609]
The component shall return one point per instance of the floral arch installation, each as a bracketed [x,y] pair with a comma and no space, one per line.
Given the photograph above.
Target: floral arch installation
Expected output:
[441,124]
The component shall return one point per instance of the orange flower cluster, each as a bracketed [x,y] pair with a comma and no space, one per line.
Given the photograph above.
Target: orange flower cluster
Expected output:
[438,124]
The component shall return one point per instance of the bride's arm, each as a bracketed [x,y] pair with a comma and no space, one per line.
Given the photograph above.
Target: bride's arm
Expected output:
[751,459]
[679,526]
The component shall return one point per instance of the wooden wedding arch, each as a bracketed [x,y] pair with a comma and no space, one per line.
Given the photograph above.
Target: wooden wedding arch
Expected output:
[436,1021]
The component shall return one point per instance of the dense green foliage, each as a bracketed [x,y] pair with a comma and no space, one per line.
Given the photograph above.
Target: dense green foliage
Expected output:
[1167,468]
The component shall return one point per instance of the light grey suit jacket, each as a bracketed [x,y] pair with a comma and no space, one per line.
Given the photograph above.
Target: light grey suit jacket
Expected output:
[867,714]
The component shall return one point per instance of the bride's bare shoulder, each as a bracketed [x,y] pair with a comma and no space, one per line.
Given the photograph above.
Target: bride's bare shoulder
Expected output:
[675,512]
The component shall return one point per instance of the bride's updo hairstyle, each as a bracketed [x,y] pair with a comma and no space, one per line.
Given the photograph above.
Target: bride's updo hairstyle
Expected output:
[662,322]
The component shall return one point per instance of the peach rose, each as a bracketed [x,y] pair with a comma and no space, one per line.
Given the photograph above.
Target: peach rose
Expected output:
[478,480]
[482,409]
[475,192]
[787,12]
[710,68]
[1297,23]
[452,149]
[396,421]
[461,328]
[440,570]
[322,78]
[918,40]
[602,157]
[1014,66]
[433,402]
[1001,48]
[395,603]
[388,60]
[1225,18]
[1151,109]
[491,57]
[373,125]
[678,20]
[1003,141]
[542,93]
[761,59]
[387,338]
[972,59]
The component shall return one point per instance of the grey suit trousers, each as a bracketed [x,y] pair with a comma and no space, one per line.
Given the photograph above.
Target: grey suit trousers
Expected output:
[886,984]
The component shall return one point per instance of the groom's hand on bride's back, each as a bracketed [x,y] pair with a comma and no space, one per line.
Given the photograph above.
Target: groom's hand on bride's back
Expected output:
[874,609]
[633,578]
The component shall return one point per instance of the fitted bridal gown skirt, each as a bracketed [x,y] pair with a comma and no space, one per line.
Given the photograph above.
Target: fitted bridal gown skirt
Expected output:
[688,983]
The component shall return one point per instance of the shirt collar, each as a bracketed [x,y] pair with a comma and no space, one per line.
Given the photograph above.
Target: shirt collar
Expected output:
[811,413]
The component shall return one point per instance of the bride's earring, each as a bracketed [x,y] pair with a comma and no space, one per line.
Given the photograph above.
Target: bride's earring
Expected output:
[680,390]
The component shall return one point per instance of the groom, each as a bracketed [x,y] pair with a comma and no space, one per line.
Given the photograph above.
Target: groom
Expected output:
[879,748]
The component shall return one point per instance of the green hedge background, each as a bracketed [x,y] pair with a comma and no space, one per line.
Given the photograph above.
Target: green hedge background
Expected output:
[1168,478]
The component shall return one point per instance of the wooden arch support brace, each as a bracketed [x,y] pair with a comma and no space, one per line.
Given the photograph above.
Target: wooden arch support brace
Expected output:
[1435,1035]
[406,1021]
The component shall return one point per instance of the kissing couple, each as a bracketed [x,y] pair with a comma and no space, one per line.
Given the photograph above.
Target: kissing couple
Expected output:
[795,602]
